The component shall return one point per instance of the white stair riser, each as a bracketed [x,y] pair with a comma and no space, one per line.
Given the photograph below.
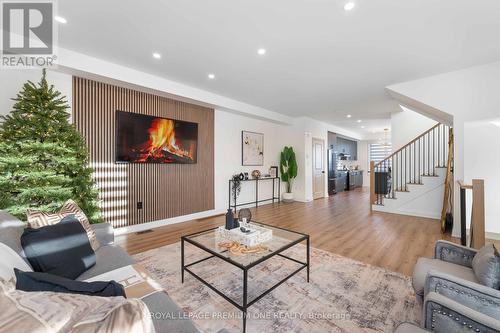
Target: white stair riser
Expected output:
[422,200]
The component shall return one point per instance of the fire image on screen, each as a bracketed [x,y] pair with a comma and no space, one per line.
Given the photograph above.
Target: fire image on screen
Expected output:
[148,139]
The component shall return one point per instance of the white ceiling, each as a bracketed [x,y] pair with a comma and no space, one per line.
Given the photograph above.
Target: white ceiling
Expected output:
[321,61]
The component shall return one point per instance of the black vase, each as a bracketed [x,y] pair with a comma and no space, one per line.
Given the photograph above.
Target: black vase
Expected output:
[229,219]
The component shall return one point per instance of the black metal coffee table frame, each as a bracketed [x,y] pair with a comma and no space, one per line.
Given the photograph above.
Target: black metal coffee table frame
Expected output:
[245,268]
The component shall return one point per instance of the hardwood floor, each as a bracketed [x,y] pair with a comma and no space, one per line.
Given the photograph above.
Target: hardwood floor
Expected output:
[341,224]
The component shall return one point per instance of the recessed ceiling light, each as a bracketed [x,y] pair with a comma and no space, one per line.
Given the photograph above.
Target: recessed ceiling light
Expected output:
[359,120]
[261,51]
[349,6]
[61,19]
[348,116]
[211,76]
[496,123]
[362,127]
[156,55]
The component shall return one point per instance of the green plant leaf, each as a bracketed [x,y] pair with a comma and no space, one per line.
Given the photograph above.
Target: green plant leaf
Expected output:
[288,166]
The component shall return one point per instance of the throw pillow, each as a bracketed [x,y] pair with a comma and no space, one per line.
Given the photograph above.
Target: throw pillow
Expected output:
[62,249]
[38,219]
[70,207]
[486,266]
[37,281]
[10,261]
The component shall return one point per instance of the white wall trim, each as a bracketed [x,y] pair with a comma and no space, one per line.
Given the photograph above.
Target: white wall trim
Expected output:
[78,64]
[174,220]
[420,107]
[493,236]
[165,222]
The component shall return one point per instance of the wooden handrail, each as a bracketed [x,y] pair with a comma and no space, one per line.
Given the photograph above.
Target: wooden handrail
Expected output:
[408,144]
[477,224]
[418,158]
[448,196]
[372,184]
[464,186]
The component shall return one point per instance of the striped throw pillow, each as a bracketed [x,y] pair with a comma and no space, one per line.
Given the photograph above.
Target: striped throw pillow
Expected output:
[40,219]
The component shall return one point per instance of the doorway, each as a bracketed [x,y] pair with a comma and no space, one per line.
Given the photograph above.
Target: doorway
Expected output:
[318,164]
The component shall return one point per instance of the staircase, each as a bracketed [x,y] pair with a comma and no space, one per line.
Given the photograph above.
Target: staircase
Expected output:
[415,179]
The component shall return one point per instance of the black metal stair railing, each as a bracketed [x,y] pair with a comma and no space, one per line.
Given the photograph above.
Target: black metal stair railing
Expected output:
[409,164]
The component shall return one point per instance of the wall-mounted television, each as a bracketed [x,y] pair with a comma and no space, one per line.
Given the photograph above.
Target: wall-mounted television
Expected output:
[147,139]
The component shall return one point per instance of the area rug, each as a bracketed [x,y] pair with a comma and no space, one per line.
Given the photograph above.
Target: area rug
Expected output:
[343,295]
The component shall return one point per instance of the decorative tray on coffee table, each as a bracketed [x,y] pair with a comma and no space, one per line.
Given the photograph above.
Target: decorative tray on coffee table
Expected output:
[252,235]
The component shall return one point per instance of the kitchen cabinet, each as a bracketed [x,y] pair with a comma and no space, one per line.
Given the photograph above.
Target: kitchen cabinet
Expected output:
[355,179]
[341,181]
[359,179]
[332,141]
[354,150]
[347,147]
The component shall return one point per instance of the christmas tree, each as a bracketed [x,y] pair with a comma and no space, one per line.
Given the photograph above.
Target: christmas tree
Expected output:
[43,159]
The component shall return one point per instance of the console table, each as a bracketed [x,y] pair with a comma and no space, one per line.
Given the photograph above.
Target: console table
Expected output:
[275,180]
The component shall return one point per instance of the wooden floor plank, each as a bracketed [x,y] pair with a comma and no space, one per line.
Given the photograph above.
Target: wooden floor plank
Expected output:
[341,224]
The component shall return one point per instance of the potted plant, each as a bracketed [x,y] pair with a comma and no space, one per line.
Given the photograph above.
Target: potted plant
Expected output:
[236,186]
[288,169]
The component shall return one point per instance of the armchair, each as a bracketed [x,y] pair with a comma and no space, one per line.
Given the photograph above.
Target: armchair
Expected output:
[453,298]
[444,315]
[450,258]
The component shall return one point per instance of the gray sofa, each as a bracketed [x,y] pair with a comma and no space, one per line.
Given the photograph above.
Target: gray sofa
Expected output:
[109,257]
[453,299]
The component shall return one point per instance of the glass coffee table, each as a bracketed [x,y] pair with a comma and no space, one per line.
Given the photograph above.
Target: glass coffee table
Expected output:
[282,240]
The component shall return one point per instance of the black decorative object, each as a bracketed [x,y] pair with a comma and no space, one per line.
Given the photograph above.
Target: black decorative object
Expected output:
[242,176]
[236,186]
[246,175]
[245,213]
[229,219]
[245,230]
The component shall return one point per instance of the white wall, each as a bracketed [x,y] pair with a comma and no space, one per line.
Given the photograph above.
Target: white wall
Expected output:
[471,94]
[11,82]
[407,125]
[312,128]
[482,161]
[228,127]
[231,116]
[364,160]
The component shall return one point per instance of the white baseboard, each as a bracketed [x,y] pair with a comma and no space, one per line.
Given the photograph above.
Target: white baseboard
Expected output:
[162,223]
[177,219]
[493,235]
[489,235]
[381,209]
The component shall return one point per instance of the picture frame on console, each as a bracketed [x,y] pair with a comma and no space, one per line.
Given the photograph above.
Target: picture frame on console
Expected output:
[252,148]
[273,171]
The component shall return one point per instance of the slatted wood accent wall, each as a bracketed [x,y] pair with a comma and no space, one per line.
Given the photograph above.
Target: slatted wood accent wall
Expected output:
[165,190]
